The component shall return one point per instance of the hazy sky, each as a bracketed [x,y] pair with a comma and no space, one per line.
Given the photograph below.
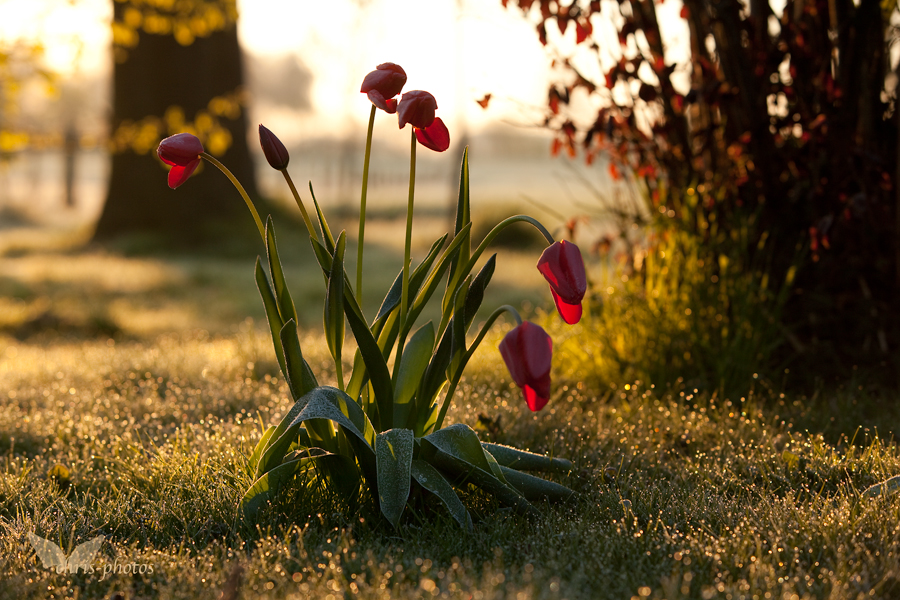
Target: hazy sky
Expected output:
[457,49]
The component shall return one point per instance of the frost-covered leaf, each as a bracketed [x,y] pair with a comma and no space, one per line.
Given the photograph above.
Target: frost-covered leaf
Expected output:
[393,455]
[526,461]
[432,480]
[535,488]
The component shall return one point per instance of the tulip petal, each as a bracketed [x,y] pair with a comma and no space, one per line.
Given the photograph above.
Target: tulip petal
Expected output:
[534,399]
[389,106]
[434,137]
[417,108]
[570,313]
[180,149]
[179,174]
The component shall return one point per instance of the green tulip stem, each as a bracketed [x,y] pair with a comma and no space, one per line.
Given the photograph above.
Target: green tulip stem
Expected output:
[404,294]
[243,192]
[309,225]
[468,354]
[362,208]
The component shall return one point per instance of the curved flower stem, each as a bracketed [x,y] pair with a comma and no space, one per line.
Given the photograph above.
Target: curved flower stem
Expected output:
[404,294]
[309,225]
[473,259]
[362,207]
[468,354]
[243,192]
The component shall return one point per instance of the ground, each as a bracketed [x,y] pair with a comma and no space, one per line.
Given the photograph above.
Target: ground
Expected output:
[134,385]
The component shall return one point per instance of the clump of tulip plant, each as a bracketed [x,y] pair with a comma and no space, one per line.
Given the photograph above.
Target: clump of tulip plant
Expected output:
[382,430]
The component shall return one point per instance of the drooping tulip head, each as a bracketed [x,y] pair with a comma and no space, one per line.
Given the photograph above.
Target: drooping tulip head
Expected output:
[527,351]
[182,151]
[276,154]
[387,79]
[562,266]
[416,108]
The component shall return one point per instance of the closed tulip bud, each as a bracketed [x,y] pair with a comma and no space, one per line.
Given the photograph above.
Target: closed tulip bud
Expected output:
[275,152]
[527,351]
[563,268]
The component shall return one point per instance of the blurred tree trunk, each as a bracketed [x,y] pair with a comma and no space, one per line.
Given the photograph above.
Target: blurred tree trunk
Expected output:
[164,84]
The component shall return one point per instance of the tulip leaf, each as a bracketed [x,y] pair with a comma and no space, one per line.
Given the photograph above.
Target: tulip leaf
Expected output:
[258,450]
[459,441]
[332,404]
[392,299]
[268,484]
[457,330]
[323,224]
[282,295]
[463,216]
[456,450]
[300,377]
[415,359]
[432,381]
[285,434]
[334,304]
[535,488]
[266,487]
[432,480]
[393,455]
[301,381]
[433,279]
[272,314]
[475,295]
[526,461]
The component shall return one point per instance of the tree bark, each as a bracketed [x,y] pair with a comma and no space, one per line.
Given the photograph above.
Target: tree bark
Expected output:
[157,74]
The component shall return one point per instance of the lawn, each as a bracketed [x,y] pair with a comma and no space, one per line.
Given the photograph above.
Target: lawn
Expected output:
[134,386]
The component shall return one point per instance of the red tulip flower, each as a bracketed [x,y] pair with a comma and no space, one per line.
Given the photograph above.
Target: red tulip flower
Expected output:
[387,79]
[182,151]
[563,268]
[417,108]
[527,351]
[275,152]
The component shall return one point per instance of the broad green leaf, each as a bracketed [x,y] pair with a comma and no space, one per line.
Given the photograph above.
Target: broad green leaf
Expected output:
[272,314]
[330,403]
[463,217]
[463,472]
[888,487]
[393,455]
[432,480]
[260,447]
[432,381]
[334,304]
[334,405]
[267,486]
[526,461]
[458,336]
[282,295]
[301,381]
[457,450]
[433,280]
[323,224]
[475,295]
[300,377]
[415,359]
[535,488]
[338,468]
[372,357]
[392,299]
[459,441]
[285,434]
